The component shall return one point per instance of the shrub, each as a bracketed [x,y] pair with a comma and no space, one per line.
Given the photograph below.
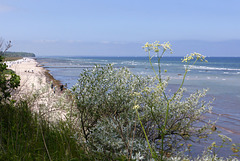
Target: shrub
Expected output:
[107,100]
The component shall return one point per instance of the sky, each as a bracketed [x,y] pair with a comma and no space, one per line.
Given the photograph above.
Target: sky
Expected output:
[120,27]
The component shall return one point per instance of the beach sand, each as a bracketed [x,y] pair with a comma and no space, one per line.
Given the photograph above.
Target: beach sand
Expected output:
[31,74]
[35,85]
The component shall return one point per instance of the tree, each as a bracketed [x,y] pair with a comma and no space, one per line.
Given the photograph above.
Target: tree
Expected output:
[9,81]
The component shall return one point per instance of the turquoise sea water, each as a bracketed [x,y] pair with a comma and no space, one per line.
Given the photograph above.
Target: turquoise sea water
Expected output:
[221,75]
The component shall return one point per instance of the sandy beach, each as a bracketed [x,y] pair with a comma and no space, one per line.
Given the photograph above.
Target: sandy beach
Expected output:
[31,74]
[35,84]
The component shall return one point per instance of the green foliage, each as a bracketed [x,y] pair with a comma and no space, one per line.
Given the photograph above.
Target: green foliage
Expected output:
[9,81]
[18,54]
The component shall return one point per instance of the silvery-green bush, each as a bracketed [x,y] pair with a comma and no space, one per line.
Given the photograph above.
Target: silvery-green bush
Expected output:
[106,100]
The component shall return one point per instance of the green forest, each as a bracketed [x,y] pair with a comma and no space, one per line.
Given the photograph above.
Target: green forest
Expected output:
[18,54]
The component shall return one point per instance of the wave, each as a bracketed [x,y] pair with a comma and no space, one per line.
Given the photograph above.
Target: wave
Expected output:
[85,66]
[165,64]
[231,122]
[131,63]
[212,68]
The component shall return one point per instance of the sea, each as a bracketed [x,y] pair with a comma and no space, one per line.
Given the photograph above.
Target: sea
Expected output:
[220,75]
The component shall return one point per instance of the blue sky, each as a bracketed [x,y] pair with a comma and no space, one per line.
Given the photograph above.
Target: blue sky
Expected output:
[120,27]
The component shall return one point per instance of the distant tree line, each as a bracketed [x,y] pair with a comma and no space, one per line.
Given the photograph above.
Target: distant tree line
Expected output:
[17,54]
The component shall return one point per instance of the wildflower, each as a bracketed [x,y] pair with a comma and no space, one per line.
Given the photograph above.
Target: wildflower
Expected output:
[156,49]
[167,45]
[189,145]
[136,94]
[195,55]
[224,138]
[156,46]
[234,150]
[146,45]
[136,107]
[214,144]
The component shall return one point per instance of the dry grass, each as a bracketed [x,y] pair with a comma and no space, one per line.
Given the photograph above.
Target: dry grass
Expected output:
[50,78]
[11,58]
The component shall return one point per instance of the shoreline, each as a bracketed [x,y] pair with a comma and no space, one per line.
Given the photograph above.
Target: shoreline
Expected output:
[49,77]
[36,84]
[31,74]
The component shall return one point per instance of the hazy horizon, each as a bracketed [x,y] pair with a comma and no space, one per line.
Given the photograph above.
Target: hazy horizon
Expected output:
[120,28]
[131,49]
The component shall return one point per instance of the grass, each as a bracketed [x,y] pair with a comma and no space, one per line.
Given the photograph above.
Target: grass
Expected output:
[11,58]
[26,136]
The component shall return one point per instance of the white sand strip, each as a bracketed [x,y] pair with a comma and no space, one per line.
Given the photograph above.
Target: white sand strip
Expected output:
[52,105]
[30,73]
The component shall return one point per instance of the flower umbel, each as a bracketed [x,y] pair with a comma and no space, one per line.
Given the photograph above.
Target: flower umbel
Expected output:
[156,46]
[194,55]
[136,107]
